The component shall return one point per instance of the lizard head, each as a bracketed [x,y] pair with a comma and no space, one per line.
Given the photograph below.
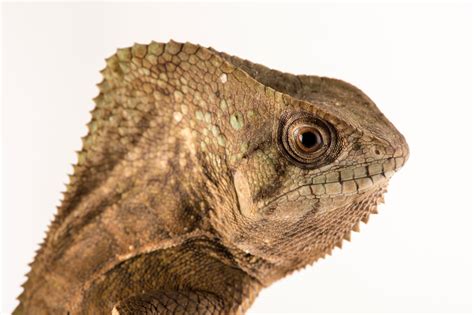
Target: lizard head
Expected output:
[317,164]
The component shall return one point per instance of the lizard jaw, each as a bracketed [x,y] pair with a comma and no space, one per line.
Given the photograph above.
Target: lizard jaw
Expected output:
[344,182]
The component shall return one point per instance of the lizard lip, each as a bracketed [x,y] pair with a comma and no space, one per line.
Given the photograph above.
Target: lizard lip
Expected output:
[345,181]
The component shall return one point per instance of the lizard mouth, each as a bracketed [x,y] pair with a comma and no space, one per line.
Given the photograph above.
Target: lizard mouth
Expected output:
[346,181]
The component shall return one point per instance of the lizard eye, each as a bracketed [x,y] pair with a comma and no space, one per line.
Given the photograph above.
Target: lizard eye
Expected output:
[307,141]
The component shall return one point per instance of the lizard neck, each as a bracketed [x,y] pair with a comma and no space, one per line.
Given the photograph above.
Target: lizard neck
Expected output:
[147,201]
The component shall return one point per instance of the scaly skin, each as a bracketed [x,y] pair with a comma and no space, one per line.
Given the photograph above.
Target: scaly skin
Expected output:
[198,184]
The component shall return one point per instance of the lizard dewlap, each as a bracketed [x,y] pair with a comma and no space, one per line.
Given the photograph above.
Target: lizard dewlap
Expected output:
[203,179]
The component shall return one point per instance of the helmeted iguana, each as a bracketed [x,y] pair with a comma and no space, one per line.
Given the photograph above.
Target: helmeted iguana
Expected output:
[203,179]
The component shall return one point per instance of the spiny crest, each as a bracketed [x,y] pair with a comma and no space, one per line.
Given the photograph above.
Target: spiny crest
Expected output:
[120,106]
[32,271]
[104,143]
[346,235]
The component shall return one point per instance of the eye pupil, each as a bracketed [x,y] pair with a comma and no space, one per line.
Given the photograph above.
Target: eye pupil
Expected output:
[308,139]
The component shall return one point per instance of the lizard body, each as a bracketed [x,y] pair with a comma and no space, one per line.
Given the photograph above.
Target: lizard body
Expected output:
[203,179]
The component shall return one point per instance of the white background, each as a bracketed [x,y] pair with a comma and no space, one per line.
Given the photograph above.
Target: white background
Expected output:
[414,60]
